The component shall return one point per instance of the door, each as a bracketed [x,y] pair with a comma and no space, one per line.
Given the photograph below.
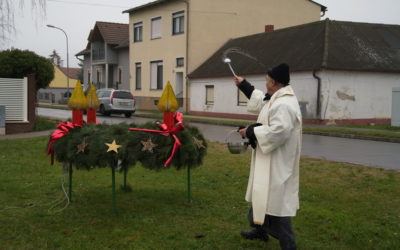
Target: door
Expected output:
[179,85]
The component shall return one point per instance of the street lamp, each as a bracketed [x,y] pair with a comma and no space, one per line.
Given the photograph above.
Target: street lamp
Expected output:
[52,26]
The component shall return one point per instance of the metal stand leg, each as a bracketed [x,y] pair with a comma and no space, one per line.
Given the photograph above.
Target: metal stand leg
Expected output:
[114,206]
[189,186]
[70,182]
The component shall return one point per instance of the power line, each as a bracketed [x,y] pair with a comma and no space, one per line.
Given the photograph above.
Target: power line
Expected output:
[90,4]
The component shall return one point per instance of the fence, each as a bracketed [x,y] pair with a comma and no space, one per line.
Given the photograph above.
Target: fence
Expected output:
[14,97]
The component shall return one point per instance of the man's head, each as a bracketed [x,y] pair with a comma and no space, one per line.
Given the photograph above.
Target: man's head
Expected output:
[277,78]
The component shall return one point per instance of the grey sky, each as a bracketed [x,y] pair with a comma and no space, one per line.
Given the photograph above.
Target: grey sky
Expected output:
[77,17]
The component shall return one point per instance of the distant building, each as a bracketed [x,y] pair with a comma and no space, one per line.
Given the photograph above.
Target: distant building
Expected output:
[342,72]
[170,38]
[56,92]
[106,56]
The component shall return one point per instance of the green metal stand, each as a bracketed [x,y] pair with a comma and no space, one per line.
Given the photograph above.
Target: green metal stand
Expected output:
[114,206]
[189,186]
[125,174]
[70,182]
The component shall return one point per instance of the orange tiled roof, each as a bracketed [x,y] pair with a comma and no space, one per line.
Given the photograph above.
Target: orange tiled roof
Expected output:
[72,73]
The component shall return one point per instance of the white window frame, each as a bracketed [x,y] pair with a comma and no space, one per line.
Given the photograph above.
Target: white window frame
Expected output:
[138,80]
[178,22]
[138,32]
[156,80]
[241,98]
[209,94]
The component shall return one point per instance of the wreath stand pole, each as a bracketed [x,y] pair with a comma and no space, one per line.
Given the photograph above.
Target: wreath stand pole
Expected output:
[70,182]
[189,186]
[114,206]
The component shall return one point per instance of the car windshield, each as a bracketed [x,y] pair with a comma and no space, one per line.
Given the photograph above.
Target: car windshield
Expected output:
[123,95]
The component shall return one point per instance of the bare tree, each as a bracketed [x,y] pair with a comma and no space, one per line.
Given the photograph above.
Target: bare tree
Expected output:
[7,15]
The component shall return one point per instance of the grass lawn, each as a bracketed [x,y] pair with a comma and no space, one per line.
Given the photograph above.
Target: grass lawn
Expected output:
[44,124]
[342,206]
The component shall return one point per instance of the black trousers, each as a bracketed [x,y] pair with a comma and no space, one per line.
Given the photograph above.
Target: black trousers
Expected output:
[278,227]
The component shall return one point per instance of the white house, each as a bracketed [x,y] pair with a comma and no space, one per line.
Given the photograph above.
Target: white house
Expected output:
[342,72]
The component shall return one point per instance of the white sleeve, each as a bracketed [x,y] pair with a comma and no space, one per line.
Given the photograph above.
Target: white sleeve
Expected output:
[271,136]
[256,102]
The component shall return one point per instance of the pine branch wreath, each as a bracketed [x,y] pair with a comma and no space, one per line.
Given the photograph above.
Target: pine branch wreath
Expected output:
[95,137]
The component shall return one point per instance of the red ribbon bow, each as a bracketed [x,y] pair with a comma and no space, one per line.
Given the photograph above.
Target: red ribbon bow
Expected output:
[62,130]
[178,117]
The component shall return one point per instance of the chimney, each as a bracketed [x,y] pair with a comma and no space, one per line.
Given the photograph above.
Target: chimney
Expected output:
[269,28]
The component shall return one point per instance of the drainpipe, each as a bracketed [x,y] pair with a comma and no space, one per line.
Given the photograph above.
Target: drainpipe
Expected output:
[187,58]
[318,93]
[323,66]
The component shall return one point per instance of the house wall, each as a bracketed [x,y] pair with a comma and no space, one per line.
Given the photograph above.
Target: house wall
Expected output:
[358,95]
[60,79]
[166,49]
[87,69]
[57,88]
[346,97]
[226,94]
[208,25]
[123,63]
[111,55]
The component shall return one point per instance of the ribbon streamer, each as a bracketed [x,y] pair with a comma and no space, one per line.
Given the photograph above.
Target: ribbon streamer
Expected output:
[178,117]
[62,130]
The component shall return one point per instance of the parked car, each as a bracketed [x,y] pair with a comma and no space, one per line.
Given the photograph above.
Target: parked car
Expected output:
[114,101]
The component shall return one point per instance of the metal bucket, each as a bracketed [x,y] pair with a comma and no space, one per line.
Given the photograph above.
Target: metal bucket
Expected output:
[236,143]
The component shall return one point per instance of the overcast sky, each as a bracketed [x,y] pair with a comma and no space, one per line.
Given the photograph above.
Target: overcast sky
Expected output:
[77,18]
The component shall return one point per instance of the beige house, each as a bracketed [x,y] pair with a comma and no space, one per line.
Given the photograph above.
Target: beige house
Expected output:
[168,39]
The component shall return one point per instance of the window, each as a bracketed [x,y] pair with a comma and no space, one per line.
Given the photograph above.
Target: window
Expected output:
[138,75]
[178,22]
[98,74]
[156,28]
[209,94]
[119,75]
[137,32]
[180,62]
[156,77]
[88,77]
[242,99]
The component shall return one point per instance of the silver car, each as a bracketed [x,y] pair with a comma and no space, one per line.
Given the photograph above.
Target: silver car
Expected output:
[116,101]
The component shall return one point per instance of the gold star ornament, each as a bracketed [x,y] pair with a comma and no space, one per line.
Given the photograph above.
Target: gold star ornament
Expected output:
[113,146]
[81,147]
[148,145]
[198,143]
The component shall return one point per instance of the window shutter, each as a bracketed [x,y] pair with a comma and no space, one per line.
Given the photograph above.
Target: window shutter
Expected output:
[156,27]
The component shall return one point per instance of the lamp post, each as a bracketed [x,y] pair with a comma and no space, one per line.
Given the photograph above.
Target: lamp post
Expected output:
[52,26]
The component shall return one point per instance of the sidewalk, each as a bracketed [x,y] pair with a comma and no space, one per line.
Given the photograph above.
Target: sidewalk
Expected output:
[26,135]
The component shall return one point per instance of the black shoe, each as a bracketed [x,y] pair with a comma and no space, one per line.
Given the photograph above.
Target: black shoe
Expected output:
[254,234]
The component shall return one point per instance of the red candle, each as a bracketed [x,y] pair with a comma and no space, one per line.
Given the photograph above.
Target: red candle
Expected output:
[77,116]
[169,119]
[91,115]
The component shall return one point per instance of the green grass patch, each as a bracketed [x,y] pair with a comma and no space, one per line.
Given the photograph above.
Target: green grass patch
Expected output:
[338,130]
[44,124]
[343,206]
[381,127]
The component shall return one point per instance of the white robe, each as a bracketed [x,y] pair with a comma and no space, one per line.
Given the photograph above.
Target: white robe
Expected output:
[273,186]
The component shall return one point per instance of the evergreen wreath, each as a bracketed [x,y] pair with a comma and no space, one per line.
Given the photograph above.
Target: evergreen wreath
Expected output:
[85,147]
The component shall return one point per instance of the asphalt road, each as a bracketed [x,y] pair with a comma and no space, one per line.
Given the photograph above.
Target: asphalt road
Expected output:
[369,153]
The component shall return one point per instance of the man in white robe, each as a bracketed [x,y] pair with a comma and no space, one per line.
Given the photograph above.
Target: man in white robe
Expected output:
[273,186]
